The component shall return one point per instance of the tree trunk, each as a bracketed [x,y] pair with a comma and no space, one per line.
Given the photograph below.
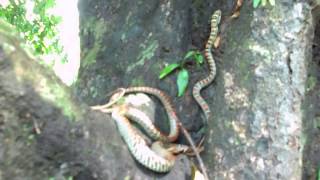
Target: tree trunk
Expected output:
[257,97]
[263,98]
[45,133]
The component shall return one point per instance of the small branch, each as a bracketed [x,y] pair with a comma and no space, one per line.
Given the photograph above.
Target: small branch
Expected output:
[194,148]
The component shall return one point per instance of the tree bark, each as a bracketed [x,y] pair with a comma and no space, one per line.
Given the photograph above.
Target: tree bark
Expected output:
[257,97]
[46,133]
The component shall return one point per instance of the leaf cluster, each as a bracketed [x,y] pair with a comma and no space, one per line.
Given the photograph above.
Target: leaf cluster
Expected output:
[183,74]
[41,31]
[263,3]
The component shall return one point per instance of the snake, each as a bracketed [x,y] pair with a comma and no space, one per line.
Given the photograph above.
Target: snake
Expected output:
[199,85]
[158,158]
[141,119]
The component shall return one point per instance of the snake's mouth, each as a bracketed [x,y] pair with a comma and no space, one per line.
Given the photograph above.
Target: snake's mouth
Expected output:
[116,95]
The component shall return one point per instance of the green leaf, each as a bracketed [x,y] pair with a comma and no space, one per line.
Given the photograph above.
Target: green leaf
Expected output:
[199,58]
[272,2]
[256,3]
[50,4]
[168,69]
[41,31]
[182,81]
[263,2]
[189,54]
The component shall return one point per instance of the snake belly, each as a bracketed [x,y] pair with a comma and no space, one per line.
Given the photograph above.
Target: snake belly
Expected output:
[154,132]
[215,20]
[146,124]
[138,147]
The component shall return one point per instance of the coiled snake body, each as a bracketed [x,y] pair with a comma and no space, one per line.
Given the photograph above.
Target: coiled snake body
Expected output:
[158,158]
[150,128]
[138,147]
[215,20]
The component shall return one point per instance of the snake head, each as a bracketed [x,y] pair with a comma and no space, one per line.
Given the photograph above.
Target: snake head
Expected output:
[116,96]
[216,17]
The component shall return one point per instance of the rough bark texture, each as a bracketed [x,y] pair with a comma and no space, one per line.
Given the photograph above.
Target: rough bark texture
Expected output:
[257,128]
[266,120]
[311,106]
[45,133]
[125,43]
[262,87]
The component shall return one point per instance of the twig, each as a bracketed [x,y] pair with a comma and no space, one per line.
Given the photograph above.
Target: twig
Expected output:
[36,127]
[189,139]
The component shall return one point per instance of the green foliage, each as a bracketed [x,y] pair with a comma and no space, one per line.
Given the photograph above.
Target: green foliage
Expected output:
[183,75]
[311,83]
[182,81]
[168,69]
[263,3]
[256,3]
[318,173]
[39,30]
[196,55]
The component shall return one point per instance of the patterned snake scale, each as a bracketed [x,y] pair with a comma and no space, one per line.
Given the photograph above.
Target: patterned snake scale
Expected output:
[215,20]
[158,158]
[138,147]
[144,121]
